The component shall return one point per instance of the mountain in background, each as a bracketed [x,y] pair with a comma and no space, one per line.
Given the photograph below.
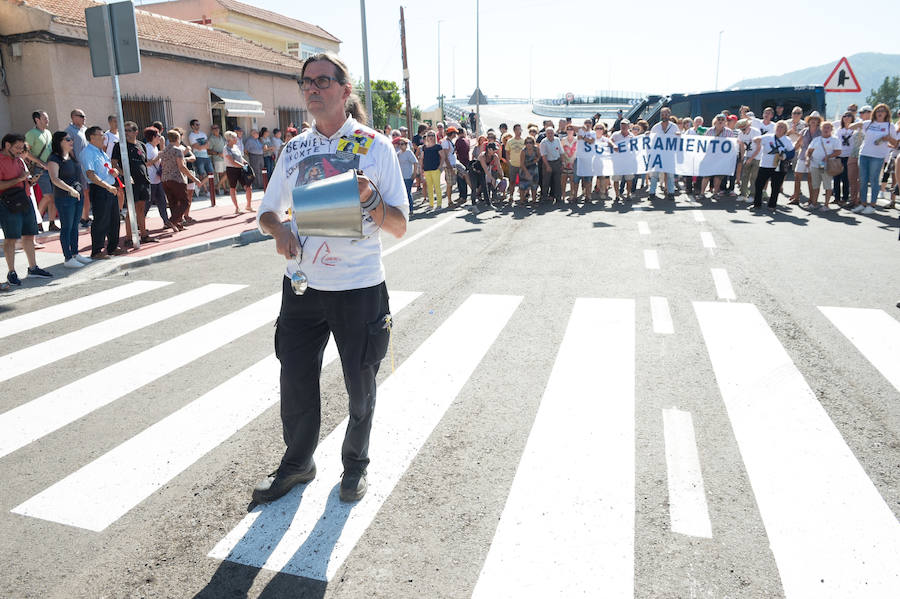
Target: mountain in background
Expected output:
[870,69]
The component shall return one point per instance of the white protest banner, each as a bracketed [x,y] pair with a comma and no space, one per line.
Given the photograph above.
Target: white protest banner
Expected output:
[689,155]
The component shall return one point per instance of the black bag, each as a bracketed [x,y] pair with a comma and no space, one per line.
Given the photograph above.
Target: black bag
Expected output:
[15,199]
[247,176]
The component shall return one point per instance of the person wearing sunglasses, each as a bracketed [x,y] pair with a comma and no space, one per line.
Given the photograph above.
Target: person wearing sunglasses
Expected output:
[333,286]
[65,175]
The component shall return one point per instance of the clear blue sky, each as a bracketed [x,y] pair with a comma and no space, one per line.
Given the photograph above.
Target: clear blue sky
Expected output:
[579,46]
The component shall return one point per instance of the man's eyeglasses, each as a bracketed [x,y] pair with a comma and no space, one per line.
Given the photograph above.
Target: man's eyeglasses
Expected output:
[321,82]
[131,130]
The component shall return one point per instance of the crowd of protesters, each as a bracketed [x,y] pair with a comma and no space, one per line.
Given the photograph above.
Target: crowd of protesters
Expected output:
[76,173]
[847,164]
[75,176]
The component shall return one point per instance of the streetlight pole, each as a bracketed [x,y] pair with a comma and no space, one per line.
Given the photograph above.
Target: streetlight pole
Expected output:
[718,56]
[477,66]
[530,74]
[365,50]
[440,97]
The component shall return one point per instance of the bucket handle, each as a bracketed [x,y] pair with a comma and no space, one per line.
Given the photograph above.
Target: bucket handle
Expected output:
[371,204]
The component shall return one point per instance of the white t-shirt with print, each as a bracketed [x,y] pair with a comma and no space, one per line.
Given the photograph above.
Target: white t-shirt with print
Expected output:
[845,137]
[765,129]
[874,131]
[747,140]
[823,147]
[337,263]
[769,148]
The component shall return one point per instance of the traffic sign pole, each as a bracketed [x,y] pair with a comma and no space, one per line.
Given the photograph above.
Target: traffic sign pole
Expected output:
[123,145]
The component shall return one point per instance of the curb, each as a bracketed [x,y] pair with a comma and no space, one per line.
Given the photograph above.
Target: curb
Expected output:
[102,270]
[242,238]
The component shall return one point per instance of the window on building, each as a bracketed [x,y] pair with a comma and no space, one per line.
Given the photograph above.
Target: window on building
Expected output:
[288,115]
[303,51]
[143,110]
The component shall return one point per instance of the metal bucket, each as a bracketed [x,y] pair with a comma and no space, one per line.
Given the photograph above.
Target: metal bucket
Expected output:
[329,207]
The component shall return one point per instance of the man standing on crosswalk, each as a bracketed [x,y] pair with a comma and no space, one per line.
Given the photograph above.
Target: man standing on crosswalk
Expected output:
[346,294]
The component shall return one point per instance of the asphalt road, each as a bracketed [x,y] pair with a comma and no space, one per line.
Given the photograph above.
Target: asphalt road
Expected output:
[544,434]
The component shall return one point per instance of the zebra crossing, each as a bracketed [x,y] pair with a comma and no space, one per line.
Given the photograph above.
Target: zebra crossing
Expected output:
[831,532]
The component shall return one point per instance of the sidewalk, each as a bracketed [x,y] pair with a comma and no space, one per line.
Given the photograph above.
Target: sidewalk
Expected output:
[216,227]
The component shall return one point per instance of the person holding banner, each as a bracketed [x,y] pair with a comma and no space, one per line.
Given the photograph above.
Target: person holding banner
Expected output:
[623,185]
[585,135]
[717,130]
[775,151]
[664,128]
[602,184]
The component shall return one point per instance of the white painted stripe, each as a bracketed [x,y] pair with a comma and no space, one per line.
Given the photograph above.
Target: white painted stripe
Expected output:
[639,207]
[651,259]
[875,334]
[831,532]
[106,489]
[687,499]
[698,216]
[707,239]
[17,324]
[41,354]
[309,532]
[28,422]
[643,227]
[724,290]
[567,529]
[662,318]
[417,236]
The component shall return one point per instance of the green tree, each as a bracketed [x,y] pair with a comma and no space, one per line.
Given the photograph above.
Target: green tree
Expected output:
[379,112]
[389,92]
[416,112]
[888,92]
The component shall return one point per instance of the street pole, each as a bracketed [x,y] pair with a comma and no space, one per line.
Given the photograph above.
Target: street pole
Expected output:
[477,67]
[718,55]
[123,145]
[365,49]
[530,74]
[440,97]
[409,123]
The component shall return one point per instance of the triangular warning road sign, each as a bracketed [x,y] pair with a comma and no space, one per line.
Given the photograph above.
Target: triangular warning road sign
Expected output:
[842,78]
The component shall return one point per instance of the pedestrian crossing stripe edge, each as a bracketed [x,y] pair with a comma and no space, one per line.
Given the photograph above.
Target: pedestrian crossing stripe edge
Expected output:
[101,492]
[308,532]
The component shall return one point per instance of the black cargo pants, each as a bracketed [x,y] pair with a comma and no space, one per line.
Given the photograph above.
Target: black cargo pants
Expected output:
[357,319]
